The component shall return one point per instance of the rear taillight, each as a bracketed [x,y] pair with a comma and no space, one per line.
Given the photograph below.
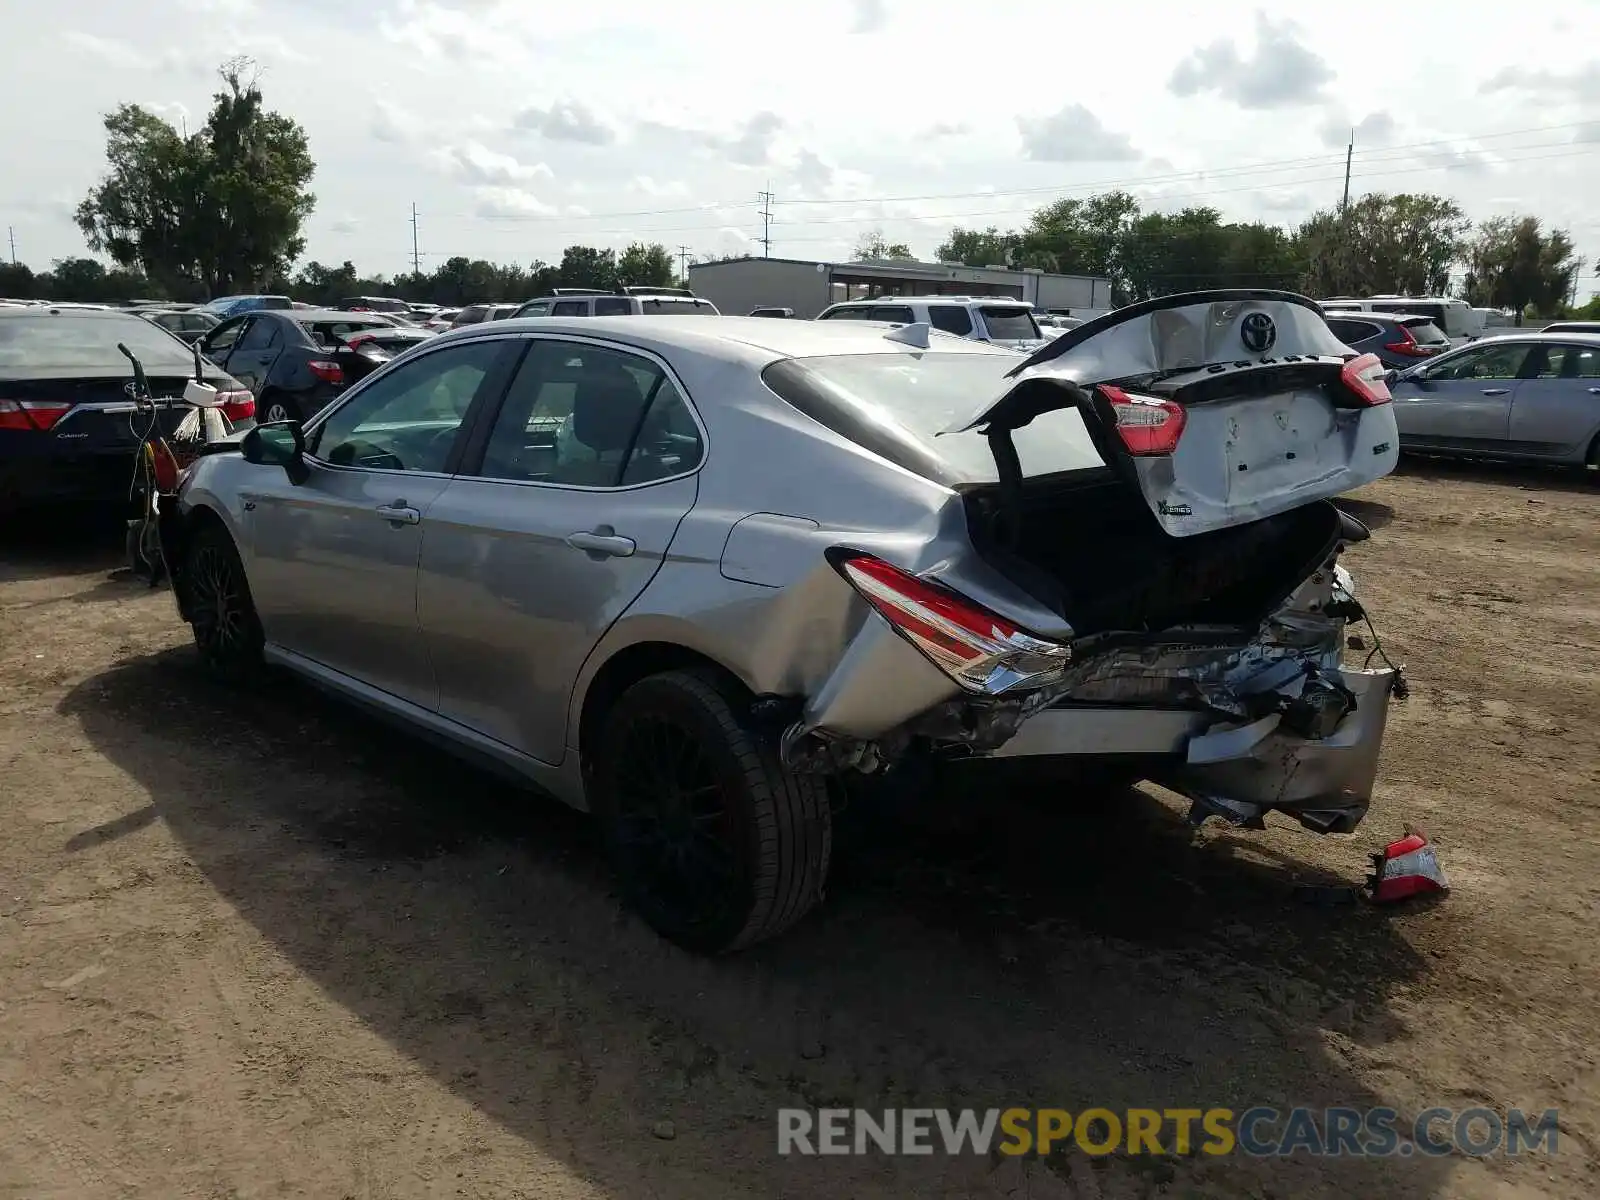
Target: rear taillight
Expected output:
[1148,427]
[1407,346]
[236,405]
[1363,378]
[981,651]
[32,416]
[328,372]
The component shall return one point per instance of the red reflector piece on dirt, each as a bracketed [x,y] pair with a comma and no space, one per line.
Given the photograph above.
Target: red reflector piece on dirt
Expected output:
[1408,867]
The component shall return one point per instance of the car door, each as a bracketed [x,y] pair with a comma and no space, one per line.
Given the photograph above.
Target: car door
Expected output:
[333,559]
[1462,401]
[219,342]
[258,347]
[1556,410]
[532,551]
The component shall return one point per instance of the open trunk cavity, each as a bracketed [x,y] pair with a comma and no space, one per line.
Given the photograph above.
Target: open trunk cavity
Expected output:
[1092,551]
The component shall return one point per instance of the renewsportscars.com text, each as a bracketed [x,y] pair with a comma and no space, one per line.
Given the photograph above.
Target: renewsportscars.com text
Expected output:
[1260,1131]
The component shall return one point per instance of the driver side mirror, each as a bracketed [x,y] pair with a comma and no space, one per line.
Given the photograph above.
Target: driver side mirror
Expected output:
[277,443]
[1391,377]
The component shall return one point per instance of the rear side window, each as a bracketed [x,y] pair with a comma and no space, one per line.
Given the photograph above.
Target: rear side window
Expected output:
[951,318]
[1009,324]
[275,302]
[571,308]
[1348,331]
[676,306]
[612,306]
[1426,332]
[897,313]
[262,334]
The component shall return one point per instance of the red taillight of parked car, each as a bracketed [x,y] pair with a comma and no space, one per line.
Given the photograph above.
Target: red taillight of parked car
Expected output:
[236,405]
[328,372]
[1407,345]
[982,651]
[1363,378]
[1149,427]
[32,416]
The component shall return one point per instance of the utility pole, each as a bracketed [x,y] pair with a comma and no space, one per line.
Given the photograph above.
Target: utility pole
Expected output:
[416,258]
[1349,153]
[683,252]
[766,222]
[11,232]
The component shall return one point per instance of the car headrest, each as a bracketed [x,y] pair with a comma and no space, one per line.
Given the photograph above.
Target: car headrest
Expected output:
[605,409]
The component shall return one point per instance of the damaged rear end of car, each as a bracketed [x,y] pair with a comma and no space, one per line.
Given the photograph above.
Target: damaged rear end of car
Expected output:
[1148,571]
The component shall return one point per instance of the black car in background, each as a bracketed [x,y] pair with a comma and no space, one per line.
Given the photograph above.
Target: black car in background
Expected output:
[1399,340]
[294,362]
[68,428]
[188,324]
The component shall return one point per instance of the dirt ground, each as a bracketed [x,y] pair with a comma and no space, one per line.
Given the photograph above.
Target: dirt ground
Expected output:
[257,945]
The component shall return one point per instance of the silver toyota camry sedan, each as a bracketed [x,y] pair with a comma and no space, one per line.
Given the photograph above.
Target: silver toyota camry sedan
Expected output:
[693,575]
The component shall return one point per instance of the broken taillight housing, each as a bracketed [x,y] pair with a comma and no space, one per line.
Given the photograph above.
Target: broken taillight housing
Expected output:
[982,651]
[1147,426]
[1363,378]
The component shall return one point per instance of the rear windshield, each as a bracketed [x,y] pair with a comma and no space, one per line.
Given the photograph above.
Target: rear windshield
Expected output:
[676,306]
[1009,324]
[89,341]
[1426,332]
[895,405]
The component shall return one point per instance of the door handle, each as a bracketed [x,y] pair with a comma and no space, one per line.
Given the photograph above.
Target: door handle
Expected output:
[602,542]
[1594,391]
[1495,391]
[399,513]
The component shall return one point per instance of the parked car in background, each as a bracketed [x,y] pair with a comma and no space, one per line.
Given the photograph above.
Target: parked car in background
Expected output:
[623,302]
[188,324]
[1572,327]
[67,438]
[383,304]
[474,314]
[1523,396]
[231,306]
[1458,320]
[1008,323]
[1400,341]
[977,556]
[295,362]
[422,310]
[441,320]
[769,310]
[1055,321]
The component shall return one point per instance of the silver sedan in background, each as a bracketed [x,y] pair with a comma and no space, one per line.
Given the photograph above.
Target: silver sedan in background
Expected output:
[693,574]
[1533,396]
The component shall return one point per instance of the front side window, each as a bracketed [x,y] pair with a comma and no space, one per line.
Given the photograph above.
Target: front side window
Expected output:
[1489,362]
[846,314]
[537,308]
[408,418]
[590,416]
[221,340]
[1007,324]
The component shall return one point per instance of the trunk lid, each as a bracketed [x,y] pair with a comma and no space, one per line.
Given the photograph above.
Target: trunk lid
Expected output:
[1220,408]
[102,416]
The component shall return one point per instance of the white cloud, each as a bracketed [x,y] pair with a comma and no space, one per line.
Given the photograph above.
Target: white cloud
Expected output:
[496,203]
[1282,72]
[870,16]
[1374,129]
[566,121]
[1074,134]
[660,191]
[346,224]
[476,164]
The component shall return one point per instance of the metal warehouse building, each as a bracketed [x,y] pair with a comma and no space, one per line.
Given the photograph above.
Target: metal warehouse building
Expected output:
[741,284]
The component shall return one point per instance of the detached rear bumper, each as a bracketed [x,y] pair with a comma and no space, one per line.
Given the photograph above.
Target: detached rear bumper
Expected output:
[1235,771]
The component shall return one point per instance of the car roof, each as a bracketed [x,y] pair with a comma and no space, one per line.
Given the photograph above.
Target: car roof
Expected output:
[1359,315]
[77,310]
[1008,300]
[1580,336]
[751,338]
[315,314]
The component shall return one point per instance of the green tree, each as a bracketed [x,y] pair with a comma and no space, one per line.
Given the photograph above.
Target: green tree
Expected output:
[585,266]
[646,265]
[978,247]
[1403,244]
[874,245]
[222,207]
[80,279]
[1513,263]
[17,281]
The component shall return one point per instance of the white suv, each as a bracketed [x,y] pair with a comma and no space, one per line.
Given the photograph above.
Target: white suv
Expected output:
[624,302]
[996,319]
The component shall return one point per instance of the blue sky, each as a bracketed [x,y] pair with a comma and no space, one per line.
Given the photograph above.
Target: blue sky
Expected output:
[519,128]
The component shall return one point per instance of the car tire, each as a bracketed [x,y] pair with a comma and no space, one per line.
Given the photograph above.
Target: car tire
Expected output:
[714,842]
[1592,463]
[279,404]
[222,614]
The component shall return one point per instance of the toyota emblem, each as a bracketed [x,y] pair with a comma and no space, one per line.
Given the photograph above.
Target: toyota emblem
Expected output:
[1258,332]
